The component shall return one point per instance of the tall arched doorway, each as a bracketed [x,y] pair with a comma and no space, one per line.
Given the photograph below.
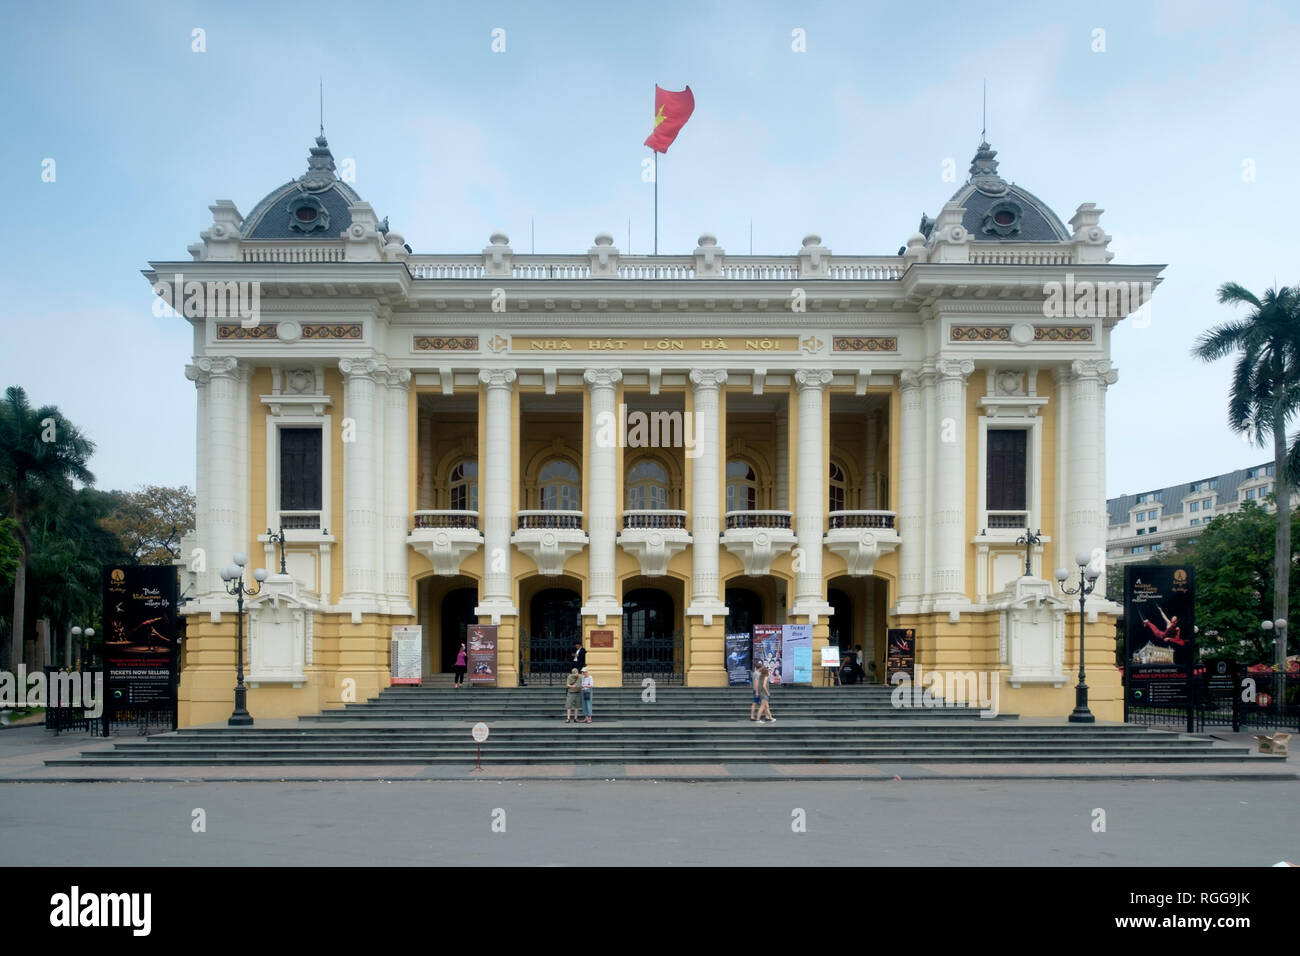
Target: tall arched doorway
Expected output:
[652,645]
[840,624]
[457,613]
[744,610]
[554,626]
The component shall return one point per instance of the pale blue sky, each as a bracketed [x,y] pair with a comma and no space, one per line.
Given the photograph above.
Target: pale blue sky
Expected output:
[452,141]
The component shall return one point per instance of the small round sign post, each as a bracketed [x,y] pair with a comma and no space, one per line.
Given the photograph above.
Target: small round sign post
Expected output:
[480,734]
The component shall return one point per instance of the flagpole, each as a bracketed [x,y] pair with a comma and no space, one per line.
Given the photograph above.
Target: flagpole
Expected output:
[656,202]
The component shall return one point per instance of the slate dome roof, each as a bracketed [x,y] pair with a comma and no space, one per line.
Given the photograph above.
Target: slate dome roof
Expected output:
[313,206]
[998,211]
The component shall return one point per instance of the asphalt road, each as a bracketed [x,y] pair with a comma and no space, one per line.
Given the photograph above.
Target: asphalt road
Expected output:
[925,823]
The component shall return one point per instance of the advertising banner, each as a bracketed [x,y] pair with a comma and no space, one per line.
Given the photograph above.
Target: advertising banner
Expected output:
[767,649]
[1159,630]
[407,659]
[482,641]
[900,654]
[796,653]
[739,650]
[140,652]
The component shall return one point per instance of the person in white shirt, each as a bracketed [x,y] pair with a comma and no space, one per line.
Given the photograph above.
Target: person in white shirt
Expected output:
[588,685]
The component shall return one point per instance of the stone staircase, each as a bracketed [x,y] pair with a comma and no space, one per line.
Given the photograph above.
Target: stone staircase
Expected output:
[683,726]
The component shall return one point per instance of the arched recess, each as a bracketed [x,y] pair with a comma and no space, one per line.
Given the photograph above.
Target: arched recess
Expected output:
[551,623]
[530,487]
[432,592]
[466,449]
[672,473]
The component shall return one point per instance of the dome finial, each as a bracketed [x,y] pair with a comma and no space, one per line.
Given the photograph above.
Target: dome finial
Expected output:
[320,165]
[984,171]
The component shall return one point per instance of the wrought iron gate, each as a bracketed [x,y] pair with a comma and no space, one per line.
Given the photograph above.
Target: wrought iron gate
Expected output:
[659,656]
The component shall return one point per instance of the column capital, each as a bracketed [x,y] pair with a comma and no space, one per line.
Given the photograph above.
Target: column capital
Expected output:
[399,378]
[602,377]
[497,377]
[360,366]
[704,378]
[1099,369]
[815,378]
[206,366]
[909,378]
[954,368]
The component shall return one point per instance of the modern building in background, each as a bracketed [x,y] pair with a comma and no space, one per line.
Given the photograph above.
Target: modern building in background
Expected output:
[1158,521]
[651,450]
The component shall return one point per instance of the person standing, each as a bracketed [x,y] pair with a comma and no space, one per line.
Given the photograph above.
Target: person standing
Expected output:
[588,686]
[459,668]
[572,686]
[579,656]
[764,694]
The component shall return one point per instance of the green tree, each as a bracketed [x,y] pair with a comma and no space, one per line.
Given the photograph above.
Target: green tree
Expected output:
[1265,392]
[151,521]
[41,455]
[9,551]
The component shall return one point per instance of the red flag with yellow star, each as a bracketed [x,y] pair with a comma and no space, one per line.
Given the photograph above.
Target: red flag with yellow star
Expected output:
[672,110]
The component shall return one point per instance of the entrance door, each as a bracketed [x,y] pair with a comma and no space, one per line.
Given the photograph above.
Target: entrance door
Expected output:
[554,626]
[840,624]
[744,610]
[457,613]
[652,646]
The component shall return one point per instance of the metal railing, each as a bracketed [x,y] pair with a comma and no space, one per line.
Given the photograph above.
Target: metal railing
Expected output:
[546,659]
[1008,520]
[657,656]
[553,520]
[300,520]
[758,519]
[447,519]
[862,519]
[633,520]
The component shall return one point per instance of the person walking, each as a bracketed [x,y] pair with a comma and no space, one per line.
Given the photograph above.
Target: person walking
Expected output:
[572,686]
[459,668]
[764,691]
[588,685]
[755,681]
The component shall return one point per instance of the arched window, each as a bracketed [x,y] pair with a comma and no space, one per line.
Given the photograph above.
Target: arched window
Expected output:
[742,486]
[838,486]
[464,486]
[647,486]
[559,483]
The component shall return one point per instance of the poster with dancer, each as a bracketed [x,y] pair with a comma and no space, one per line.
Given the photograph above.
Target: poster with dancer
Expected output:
[739,652]
[482,641]
[1160,635]
[767,649]
[900,655]
[140,636]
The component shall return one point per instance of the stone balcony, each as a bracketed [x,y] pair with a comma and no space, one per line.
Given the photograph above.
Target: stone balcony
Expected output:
[654,538]
[757,537]
[446,538]
[550,538]
[861,537]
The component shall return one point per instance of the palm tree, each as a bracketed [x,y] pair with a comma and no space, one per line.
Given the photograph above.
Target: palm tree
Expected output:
[1265,393]
[41,455]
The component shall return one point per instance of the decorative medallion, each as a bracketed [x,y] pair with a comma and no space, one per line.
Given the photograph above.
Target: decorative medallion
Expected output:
[307,214]
[980,333]
[1063,333]
[865,343]
[446,343]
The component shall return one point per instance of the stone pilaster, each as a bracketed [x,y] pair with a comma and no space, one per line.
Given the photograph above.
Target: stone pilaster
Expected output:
[911,494]
[396,507]
[218,485]
[1085,508]
[810,490]
[602,498]
[949,584]
[706,601]
[496,495]
[361,498]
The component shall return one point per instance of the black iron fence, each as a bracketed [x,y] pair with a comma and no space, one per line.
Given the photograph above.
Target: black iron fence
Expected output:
[1228,699]
[546,659]
[658,656]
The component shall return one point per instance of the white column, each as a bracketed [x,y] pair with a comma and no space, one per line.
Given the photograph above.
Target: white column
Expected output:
[360,494]
[911,494]
[496,496]
[1085,517]
[602,500]
[396,506]
[374,433]
[706,602]
[810,490]
[950,485]
[223,494]
[204,581]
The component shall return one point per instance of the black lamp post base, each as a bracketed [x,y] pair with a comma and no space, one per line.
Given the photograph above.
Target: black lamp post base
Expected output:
[1081,714]
[245,719]
[240,717]
[1077,716]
